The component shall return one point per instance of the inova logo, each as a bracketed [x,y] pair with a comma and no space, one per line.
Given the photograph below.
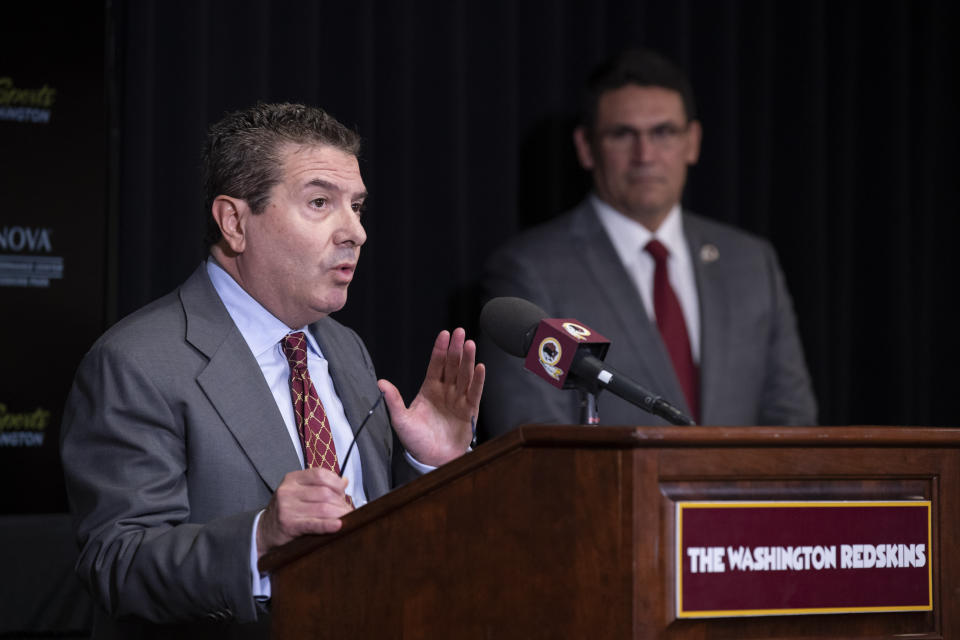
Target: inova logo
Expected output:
[20,238]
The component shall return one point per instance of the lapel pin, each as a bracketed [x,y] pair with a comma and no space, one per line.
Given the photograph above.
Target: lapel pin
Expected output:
[709,253]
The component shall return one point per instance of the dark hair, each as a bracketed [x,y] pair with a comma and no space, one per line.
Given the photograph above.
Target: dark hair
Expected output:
[241,155]
[641,67]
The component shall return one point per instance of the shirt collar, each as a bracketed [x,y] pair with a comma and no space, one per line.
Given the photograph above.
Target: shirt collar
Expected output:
[260,329]
[629,237]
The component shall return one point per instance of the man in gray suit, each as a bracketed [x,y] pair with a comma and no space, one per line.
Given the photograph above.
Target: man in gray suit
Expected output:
[701,316]
[182,444]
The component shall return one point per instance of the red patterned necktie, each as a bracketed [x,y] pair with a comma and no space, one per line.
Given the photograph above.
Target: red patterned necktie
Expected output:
[673,328]
[315,435]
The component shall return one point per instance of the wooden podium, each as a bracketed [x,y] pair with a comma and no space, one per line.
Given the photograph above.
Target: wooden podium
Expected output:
[569,532]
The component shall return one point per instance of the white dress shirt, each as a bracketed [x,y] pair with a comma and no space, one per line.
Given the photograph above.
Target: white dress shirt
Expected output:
[629,238]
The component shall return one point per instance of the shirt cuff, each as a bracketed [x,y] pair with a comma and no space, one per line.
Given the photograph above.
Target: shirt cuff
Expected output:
[417,465]
[259,581]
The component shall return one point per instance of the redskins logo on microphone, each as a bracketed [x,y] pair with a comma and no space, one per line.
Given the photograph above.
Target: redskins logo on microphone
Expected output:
[578,331]
[549,353]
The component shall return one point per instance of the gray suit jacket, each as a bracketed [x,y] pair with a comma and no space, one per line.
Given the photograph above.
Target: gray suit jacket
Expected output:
[752,369]
[171,443]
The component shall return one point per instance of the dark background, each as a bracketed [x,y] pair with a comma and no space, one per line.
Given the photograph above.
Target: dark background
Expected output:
[53,176]
[829,127]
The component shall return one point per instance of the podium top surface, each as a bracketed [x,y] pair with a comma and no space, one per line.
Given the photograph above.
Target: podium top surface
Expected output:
[566,435]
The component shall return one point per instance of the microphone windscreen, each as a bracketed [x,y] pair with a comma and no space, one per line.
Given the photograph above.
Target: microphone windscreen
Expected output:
[511,323]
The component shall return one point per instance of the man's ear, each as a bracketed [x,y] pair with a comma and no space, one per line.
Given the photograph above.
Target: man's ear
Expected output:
[230,215]
[584,152]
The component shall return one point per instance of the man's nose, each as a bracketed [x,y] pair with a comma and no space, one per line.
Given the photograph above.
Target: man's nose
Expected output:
[643,149]
[350,229]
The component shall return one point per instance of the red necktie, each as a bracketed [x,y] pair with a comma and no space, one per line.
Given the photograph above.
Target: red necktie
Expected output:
[673,328]
[315,435]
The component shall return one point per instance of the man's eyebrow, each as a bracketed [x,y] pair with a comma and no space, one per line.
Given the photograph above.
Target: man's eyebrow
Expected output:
[325,184]
[627,125]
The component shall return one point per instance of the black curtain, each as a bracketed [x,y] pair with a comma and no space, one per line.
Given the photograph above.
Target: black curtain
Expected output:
[830,128]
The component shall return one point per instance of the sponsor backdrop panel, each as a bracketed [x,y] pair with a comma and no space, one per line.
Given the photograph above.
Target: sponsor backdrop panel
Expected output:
[53,133]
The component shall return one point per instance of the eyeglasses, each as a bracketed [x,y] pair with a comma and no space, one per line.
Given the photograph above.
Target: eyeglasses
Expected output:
[664,136]
[353,442]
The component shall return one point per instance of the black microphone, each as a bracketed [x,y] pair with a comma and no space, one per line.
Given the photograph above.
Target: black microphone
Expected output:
[566,353]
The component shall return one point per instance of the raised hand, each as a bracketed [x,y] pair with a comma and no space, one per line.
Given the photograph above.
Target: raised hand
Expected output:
[436,428]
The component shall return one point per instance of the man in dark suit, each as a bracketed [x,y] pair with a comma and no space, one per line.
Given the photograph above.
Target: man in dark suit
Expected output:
[696,311]
[187,453]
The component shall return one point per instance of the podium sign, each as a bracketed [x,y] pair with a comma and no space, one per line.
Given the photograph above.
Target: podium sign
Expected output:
[773,558]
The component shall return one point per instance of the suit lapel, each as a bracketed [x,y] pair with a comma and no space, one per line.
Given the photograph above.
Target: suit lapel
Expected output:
[233,383]
[611,278]
[714,311]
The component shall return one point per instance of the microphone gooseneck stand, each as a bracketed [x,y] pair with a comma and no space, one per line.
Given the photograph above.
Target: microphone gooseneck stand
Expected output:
[589,408]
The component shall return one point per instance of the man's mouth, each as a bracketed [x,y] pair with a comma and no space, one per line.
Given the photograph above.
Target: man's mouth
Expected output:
[346,269]
[644,178]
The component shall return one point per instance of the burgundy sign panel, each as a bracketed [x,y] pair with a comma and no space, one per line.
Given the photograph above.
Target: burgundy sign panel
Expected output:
[775,558]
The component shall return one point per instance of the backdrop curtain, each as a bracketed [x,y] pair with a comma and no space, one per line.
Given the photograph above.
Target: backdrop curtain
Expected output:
[830,128]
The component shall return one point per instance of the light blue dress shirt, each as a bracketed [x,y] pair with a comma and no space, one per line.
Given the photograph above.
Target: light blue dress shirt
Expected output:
[262,332]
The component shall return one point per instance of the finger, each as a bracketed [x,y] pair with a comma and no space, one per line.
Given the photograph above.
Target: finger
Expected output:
[391,395]
[321,525]
[332,509]
[321,477]
[319,494]
[325,521]
[454,356]
[291,512]
[437,355]
[305,489]
[465,373]
[313,486]
[324,524]
[291,502]
[475,391]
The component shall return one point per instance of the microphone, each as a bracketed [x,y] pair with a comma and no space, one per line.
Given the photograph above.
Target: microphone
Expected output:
[566,353]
